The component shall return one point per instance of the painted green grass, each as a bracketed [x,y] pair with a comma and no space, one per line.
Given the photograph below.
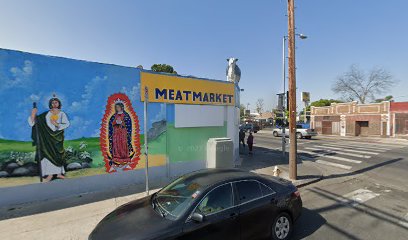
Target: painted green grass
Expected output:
[16,146]
[23,146]
[157,146]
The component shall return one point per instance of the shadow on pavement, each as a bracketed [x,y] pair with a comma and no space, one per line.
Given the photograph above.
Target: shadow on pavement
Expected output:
[261,158]
[362,170]
[308,223]
[340,202]
[311,220]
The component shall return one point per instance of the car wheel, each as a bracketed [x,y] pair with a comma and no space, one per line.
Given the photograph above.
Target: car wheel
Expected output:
[275,134]
[299,135]
[282,227]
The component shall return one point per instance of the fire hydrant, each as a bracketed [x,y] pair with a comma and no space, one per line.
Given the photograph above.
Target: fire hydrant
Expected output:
[276,171]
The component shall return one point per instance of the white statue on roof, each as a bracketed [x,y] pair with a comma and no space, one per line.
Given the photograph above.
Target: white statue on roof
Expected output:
[233,71]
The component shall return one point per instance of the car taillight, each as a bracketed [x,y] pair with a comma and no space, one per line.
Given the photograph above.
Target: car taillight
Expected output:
[296,194]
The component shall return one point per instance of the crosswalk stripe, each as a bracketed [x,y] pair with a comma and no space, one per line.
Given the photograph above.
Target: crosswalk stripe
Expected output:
[333,164]
[404,221]
[379,144]
[358,196]
[377,149]
[356,144]
[339,152]
[350,150]
[332,157]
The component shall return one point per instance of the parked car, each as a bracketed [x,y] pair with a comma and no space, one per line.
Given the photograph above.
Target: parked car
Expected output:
[301,132]
[250,127]
[208,204]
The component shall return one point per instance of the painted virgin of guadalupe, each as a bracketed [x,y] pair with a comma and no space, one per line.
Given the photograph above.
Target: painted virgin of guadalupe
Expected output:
[120,138]
[120,127]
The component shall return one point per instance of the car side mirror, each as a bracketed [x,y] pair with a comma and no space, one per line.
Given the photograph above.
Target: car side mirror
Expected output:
[197,217]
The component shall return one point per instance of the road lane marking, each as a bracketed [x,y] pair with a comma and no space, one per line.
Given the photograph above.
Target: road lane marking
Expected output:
[375,145]
[333,164]
[350,150]
[358,196]
[361,146]
[404,221]
[339,152]
[328,156]
[358,147]
[378,144]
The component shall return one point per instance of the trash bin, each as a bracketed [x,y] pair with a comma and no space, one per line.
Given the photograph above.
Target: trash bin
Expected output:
[220,153]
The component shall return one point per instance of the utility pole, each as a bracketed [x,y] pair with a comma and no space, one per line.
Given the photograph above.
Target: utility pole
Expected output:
[292,91]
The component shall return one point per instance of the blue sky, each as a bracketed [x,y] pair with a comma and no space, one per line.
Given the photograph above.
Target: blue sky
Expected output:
[197,36]
[83,88]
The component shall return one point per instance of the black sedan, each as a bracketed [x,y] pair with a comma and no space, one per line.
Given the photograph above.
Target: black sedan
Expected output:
[208,204]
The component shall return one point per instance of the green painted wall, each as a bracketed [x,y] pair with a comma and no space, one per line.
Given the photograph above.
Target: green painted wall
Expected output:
[189,144]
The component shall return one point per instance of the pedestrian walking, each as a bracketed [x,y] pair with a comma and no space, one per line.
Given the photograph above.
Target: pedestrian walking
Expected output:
[250,142]
[242,137]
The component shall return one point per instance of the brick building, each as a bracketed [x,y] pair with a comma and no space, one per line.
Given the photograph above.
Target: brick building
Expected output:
[353,119]
[399,115]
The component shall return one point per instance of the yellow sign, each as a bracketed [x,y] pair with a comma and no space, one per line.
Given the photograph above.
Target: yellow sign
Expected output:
[183,90]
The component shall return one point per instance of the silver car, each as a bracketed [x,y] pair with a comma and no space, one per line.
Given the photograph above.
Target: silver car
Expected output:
[301,132]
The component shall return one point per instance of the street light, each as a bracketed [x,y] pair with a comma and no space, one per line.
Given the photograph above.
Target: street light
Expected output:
[302,37]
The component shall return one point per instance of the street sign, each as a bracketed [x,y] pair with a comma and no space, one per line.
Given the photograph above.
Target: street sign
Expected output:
[305,96]
[281,100]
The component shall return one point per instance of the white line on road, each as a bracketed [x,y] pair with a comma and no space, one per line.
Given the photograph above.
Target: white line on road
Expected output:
[339,152]
[350,150]
[380,145]
[404,221]
[358,147]
[333,164]
[329,156]
[357,197]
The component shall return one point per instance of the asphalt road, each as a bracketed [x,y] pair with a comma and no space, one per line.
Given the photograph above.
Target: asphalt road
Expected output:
[364,194]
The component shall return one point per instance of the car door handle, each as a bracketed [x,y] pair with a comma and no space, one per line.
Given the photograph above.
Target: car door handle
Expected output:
[233,215]
[274,200]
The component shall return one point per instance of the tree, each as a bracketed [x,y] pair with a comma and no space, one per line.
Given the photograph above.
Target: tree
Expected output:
[355,84]
[387,98]
[163,68]
[242,111]
[259,105]
[323,103]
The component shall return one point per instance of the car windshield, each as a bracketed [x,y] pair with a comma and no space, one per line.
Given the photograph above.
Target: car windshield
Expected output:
[175,198]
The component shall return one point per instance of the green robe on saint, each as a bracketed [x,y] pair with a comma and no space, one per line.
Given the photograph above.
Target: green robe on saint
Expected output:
[50,144]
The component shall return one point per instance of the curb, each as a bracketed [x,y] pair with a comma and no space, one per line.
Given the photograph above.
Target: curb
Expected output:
[300,185]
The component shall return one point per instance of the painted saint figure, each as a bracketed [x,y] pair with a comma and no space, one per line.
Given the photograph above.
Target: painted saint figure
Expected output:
[50,127]
[120,138]
[120,126]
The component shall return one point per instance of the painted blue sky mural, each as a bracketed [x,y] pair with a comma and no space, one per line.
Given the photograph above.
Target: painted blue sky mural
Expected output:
[83,88]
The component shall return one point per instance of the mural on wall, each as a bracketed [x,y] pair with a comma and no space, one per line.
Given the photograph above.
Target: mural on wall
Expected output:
[69,109]
[119,139]
[48,138]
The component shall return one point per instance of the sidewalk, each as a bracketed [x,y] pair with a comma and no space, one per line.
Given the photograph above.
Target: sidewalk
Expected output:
[69,218]
[264,160]
[74,223]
